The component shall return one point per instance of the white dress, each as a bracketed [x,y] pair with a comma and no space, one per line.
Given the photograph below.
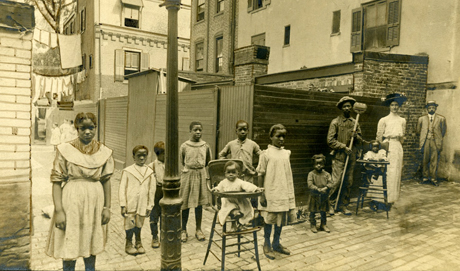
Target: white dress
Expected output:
[391,129]
[229,204]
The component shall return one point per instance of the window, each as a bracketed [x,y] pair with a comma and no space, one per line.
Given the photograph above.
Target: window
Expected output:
[336,22]
[128,62]
[90,61]
[220,5]
[199,56]
[219,55]
[83,62]
[258,39]
[131,16]
[375,25]
[185,64]
[83,20]
[287,35]
[132,62]
[200,10]
[255,4]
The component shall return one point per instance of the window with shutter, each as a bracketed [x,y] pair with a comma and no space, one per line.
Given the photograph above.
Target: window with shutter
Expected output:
[145,60]
[356,24]
[376,25]
[119,65]
[132,62]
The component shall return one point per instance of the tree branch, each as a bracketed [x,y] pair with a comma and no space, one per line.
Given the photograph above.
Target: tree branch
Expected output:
[45,14]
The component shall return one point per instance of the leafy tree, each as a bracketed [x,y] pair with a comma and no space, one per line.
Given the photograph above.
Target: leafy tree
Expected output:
[54,10]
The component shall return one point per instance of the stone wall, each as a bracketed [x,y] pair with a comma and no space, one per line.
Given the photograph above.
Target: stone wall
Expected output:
[15,124]
[383,74]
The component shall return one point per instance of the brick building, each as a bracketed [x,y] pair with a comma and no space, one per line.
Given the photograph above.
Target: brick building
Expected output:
[16,31]
[120,37]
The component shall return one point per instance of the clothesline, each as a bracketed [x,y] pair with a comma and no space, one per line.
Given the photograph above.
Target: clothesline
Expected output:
[61,86]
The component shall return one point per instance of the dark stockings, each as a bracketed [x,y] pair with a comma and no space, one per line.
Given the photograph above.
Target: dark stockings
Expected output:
[198,217]
[137,233]
[276,237]
[68,265]
[129,235]
[267,234]
[90,263]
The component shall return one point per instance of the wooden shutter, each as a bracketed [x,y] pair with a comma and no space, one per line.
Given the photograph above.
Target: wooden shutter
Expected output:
[356,30]
[145,60]
[250,5]
[119,65]
[394,18]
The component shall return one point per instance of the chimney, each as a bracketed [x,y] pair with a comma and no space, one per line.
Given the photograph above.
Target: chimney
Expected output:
[250,62]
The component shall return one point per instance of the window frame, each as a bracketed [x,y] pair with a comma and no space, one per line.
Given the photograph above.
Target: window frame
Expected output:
[201,58]
[219,59]
[134,70]
[125,17]
[336,20]
[220,6]
[258,37]
[287,35]
[200,10]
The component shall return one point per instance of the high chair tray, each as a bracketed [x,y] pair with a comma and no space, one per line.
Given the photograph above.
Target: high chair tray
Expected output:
[237,194]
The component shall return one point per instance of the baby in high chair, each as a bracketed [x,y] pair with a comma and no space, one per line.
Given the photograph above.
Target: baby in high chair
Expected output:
[238,209]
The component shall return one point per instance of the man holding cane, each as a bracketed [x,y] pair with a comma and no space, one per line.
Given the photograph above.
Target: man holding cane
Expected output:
[338,138]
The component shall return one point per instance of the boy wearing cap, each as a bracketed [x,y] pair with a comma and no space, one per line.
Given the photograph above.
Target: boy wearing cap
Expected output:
[431,128]
[338,138]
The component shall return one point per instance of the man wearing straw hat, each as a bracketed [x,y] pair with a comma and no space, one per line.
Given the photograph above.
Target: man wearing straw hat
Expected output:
[431,128]
[338,138]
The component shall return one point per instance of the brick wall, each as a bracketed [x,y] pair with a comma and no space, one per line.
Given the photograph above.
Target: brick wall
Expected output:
[381,74]
[15,124]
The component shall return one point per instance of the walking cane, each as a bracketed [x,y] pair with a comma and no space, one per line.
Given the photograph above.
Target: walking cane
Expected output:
[359,108]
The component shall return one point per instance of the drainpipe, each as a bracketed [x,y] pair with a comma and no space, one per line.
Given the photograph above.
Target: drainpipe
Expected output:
[232,38]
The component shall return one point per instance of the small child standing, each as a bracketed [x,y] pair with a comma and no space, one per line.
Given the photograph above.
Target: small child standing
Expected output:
[319,182]
[242,148]
[195,155]
[55,136]
[278,200]
[375,155]
[158,168]
[239,209]
[136,193]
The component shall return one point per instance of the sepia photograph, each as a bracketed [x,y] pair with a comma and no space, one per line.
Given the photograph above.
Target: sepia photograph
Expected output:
[229,135]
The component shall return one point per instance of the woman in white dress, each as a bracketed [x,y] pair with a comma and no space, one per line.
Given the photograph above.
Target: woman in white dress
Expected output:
[391,130]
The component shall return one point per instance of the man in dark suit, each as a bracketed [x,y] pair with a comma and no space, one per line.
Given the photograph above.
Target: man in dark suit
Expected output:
[431,128]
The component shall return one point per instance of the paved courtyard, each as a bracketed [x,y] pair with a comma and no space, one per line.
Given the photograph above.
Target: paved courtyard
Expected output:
[422,233]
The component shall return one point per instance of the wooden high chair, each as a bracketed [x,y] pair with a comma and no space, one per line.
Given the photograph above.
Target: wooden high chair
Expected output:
[238,239]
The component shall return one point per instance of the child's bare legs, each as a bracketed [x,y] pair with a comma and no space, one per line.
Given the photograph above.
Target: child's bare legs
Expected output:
[276,242]
[268,252]
[68,265]
[90,263]
[198,218]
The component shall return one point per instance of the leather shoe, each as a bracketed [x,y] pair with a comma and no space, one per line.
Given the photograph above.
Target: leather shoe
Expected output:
[155,242]
[268,252]
[331,210]
[313,228]
[199,235]
[184,236]
[279,248]
[324,228]
[345,211]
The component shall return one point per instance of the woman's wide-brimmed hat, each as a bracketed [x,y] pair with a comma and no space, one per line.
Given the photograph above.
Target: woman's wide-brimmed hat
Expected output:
[395,97]
[344,100]
[431,103]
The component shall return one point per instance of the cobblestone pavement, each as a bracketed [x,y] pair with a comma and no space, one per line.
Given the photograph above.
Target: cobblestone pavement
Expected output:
[422,233]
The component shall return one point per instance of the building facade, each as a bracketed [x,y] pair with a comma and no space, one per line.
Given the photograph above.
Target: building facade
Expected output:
[121,37]
[214,30]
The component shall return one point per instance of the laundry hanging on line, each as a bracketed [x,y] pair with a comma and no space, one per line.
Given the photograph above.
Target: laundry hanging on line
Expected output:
[61,86]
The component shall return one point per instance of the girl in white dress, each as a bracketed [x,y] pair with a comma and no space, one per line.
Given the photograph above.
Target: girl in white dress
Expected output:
[391,130]
[81,193]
